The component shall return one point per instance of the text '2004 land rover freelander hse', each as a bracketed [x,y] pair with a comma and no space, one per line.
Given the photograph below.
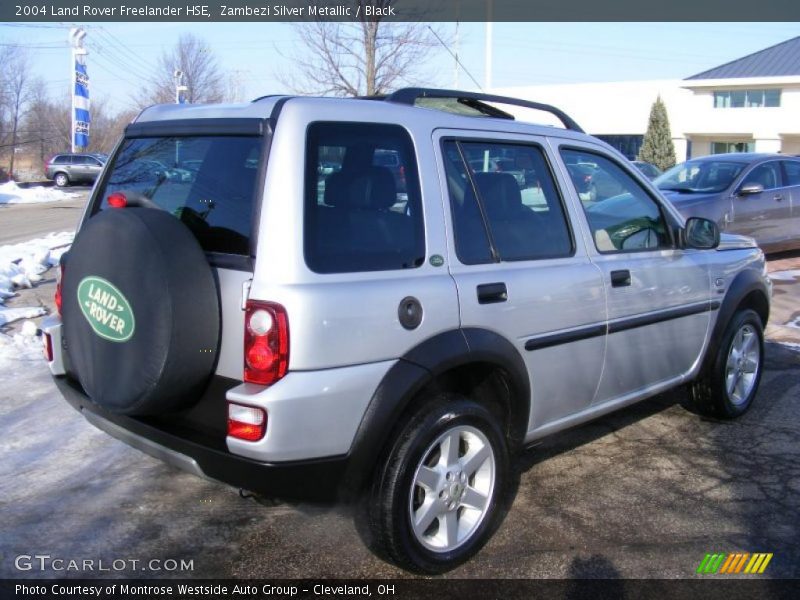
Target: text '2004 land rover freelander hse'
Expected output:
[382,300]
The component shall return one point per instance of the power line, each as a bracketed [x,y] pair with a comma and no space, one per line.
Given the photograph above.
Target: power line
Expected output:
[458,61]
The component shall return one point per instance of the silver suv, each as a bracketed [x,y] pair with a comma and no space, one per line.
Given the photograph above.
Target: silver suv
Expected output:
[67,169]
[251,297]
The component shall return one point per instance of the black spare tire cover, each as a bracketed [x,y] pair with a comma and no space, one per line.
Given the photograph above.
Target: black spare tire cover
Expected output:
[140,312]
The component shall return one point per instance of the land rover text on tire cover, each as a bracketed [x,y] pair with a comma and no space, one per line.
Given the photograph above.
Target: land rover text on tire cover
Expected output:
[348,300]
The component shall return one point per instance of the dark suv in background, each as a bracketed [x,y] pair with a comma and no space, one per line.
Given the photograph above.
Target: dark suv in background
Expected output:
[66,169]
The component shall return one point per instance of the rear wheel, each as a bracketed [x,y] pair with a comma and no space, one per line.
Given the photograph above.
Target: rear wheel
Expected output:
[61,179]
[441,493]
[728,388]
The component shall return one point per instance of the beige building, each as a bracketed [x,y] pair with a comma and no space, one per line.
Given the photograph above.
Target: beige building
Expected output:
[751,104]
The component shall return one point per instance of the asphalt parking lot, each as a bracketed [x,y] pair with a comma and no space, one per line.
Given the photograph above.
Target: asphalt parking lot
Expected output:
[643,493]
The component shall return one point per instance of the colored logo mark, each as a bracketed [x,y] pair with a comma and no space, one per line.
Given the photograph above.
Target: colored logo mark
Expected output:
[742,563]
[106,309]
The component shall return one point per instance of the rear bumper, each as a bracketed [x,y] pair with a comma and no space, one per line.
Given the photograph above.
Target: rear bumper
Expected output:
[317,480]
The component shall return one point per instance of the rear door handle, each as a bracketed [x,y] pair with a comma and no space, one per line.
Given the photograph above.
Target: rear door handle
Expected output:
[621,278]
[491,293]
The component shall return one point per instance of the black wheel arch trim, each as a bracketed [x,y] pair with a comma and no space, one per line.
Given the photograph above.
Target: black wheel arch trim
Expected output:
[745,283]
[415,370]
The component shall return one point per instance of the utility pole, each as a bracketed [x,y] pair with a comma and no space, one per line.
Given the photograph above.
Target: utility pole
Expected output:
[488,53]
[79,135]
[180,89]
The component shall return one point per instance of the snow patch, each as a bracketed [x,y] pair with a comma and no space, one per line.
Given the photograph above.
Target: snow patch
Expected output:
[22,265]
[795,323]
[791,346]
[11,193]
[25,312]
[18,348]
[785,275]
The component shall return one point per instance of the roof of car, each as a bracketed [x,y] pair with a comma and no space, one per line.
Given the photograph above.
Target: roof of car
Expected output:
[369,108]
[739,157]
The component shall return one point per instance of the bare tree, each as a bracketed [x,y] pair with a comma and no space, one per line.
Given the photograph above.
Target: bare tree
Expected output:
[367,57]
[16,93]
[201,74]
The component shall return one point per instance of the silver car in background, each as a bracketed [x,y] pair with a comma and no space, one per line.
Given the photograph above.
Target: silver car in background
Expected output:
[757,195]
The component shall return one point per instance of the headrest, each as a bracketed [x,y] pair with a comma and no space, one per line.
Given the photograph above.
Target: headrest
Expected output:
[373,188]
[336,189]
[500,194]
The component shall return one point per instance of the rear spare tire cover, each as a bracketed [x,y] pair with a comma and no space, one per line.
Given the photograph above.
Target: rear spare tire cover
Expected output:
[140,312]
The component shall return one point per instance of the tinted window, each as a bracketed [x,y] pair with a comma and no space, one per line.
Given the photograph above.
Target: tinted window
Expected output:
[621,214]
[362,201]
[206,182]
[791,170]
[503,198]
[767,175]
[61,160]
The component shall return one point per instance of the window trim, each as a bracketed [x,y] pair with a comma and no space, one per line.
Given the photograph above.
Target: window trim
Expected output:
[669,219]
[495,257]
[309,174]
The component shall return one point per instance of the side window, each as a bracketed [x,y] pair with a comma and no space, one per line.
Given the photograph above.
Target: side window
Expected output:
[363,210]
[768,175]
[621,214]
[504,203]
[791,171]
[61,160]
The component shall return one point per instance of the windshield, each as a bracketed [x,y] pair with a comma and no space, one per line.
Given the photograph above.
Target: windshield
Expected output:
[208,182]
[706,176]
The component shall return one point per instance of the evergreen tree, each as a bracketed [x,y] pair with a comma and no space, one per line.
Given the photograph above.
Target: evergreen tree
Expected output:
[657,147]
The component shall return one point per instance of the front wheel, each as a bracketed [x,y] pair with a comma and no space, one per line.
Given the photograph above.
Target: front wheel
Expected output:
[729,386]
[441,493]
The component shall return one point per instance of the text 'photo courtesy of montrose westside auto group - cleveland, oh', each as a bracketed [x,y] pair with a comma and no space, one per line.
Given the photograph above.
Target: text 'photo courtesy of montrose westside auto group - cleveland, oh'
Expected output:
[399,299]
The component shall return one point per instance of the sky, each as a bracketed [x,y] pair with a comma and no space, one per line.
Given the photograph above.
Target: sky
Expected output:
[122,54]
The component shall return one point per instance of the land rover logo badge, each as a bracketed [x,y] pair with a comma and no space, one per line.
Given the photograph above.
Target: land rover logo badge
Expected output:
[437,260]
[106,309]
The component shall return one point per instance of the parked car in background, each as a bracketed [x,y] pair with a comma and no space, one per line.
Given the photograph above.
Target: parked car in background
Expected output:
[67,169]
[746,193]
[649,170]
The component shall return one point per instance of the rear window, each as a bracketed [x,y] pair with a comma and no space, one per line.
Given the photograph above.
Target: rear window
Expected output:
[209,183]
[362,200]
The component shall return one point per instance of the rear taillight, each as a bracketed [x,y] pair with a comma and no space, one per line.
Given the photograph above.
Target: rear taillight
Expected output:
[266,342]
[48,346]
[246,422]
[117,200]
[59,280]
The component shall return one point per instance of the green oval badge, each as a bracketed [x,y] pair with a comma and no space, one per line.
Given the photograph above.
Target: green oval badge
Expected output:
[106,309]
[437,260]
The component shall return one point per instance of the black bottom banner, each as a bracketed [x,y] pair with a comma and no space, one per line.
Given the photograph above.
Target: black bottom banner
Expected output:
[401,589]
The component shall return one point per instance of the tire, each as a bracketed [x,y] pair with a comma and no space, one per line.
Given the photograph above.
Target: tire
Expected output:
[61,179]
[416,473]
[730,383]
[140,312]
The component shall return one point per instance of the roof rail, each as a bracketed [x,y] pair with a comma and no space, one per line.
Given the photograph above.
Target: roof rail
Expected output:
[409,96]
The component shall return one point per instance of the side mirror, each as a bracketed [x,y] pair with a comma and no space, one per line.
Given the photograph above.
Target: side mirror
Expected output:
[748,189]
[701,233]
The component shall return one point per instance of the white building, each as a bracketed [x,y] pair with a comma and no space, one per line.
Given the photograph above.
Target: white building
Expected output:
[751,104]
